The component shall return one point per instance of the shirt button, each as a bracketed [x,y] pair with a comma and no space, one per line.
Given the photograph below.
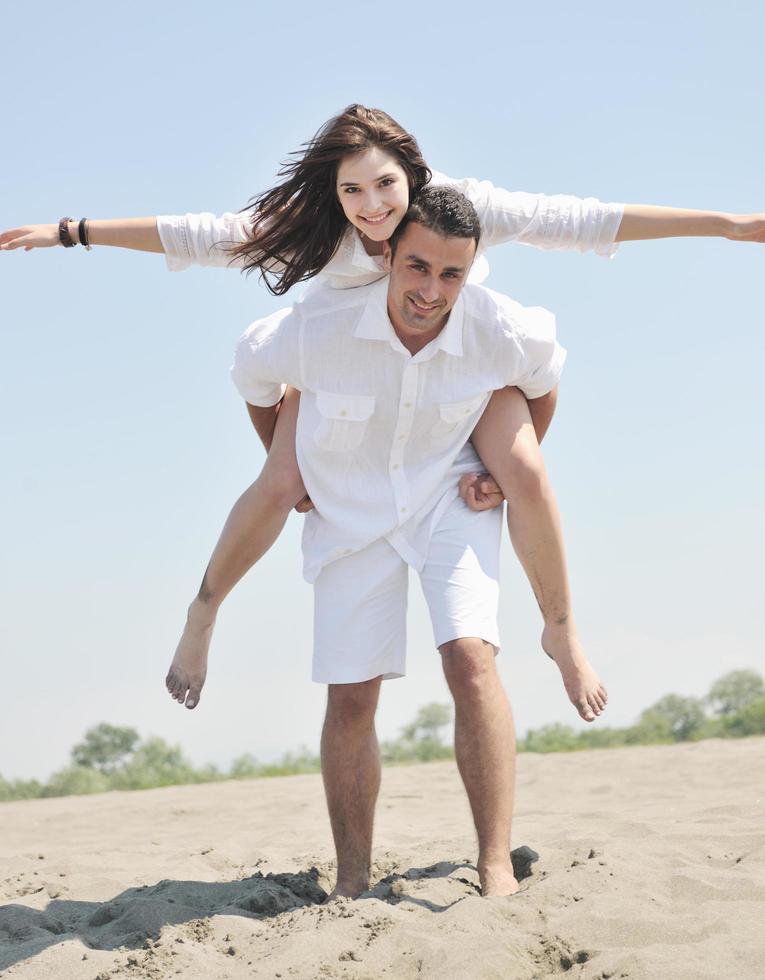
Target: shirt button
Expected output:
[401,437]
[343,412]
[403,510]
[348,551]
[407,404]
[396,466]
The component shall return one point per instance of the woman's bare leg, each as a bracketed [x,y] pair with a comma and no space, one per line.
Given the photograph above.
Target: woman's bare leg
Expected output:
[506,442]
[255,522]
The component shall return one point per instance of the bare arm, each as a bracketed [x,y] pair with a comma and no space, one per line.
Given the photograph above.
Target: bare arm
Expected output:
[264,421]
[136,233]
[541,411]
[644,221]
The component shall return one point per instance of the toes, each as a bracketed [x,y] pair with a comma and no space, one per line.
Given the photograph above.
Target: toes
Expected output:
[193,697]
[585,710]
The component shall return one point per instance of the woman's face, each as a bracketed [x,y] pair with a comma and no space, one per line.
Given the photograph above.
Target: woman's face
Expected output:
[373,191]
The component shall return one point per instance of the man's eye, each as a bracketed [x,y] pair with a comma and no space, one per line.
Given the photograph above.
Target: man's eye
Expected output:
[417,268]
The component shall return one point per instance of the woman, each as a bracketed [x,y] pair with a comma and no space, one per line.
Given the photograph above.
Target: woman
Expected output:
[327,221]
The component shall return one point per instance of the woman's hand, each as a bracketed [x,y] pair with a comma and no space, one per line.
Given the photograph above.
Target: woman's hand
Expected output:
[480,491]
[29,237]
[747,228]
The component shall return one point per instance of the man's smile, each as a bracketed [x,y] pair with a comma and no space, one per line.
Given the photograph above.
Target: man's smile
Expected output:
[421,308]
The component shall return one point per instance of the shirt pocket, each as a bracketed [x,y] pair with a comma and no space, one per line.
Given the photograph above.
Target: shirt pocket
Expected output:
[342,420]
[451,415]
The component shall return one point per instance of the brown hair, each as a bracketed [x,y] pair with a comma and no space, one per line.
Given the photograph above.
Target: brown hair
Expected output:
[443,210]
[297,225]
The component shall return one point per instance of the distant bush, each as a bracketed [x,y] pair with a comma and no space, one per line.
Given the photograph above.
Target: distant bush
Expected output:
[735,691]
[737,701]
[76,780]
[110,757]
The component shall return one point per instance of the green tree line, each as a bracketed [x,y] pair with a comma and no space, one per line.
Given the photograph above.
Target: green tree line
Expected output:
[111,757]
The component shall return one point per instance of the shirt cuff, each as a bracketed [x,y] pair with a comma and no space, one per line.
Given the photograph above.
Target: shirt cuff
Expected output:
[171,229]
[543,382]
[606,246]
[258,395]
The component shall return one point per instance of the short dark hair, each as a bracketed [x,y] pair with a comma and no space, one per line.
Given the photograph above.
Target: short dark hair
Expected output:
[443,210]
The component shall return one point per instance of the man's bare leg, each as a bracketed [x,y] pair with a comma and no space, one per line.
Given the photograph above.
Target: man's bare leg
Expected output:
[505,440]
[484,744]
[350,766]
[253,525]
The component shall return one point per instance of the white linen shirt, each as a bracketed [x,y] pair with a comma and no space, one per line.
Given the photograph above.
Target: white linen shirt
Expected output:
[559,221]
[382,435]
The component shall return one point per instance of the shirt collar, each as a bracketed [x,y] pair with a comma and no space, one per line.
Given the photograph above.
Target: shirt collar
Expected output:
[374,323]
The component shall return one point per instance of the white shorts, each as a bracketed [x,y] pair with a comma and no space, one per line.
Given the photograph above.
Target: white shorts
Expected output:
[360,601]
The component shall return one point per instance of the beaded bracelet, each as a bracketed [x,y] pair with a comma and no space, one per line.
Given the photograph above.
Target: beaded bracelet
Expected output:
[63,233]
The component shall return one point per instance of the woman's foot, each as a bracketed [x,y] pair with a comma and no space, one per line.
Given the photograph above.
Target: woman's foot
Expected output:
[188,670]
[582,684]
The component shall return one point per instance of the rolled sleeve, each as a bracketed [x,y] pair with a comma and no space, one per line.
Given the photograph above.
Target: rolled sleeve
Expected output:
[538,369]
[268,358]
[560,222]
[201,239]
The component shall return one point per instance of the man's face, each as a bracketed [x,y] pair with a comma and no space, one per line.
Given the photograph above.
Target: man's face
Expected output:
[426,276]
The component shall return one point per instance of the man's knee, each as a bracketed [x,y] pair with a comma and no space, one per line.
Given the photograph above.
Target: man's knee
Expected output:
[469,664]
[353,703]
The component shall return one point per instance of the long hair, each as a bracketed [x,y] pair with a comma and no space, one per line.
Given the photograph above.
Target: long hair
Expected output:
[297,225]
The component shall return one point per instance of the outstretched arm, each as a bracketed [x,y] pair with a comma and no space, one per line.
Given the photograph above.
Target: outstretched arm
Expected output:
[644,221]
[189,239]
[135,233]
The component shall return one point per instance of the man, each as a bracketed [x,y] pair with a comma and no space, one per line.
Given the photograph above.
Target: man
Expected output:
[393,378]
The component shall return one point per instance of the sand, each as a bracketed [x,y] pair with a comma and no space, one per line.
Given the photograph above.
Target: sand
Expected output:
[651,865]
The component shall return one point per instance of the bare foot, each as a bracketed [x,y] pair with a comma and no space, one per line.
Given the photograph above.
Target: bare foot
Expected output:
[346,891]
[497,880]
[582,684]
[188,670]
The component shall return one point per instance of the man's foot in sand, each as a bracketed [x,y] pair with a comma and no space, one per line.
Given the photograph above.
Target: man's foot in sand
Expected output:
[347,891]
[582,684]
[497,880]
[188,670]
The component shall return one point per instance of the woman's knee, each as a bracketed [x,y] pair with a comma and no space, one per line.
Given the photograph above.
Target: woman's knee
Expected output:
[281,482]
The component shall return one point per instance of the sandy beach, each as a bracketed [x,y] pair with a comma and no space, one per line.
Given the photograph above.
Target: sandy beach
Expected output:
[651,864]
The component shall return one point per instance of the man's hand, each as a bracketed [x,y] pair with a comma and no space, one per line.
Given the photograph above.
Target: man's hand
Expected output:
[480,491]
[305,505]
[747,228]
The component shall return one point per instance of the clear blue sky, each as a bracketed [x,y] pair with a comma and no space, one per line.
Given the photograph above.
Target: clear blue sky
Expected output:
[124,443]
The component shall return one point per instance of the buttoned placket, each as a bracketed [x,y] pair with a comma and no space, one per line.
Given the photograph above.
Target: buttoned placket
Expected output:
[407,405]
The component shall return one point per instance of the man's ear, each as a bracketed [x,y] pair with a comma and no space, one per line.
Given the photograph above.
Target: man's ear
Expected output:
[387,256]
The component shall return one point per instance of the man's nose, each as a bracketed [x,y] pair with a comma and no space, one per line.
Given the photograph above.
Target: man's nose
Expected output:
[429,291]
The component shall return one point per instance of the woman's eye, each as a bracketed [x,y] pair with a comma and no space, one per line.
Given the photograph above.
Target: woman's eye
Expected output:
[386,181]
[350,190]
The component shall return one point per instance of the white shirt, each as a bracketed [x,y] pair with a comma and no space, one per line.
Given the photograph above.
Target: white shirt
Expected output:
[560,222]
[382,435]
